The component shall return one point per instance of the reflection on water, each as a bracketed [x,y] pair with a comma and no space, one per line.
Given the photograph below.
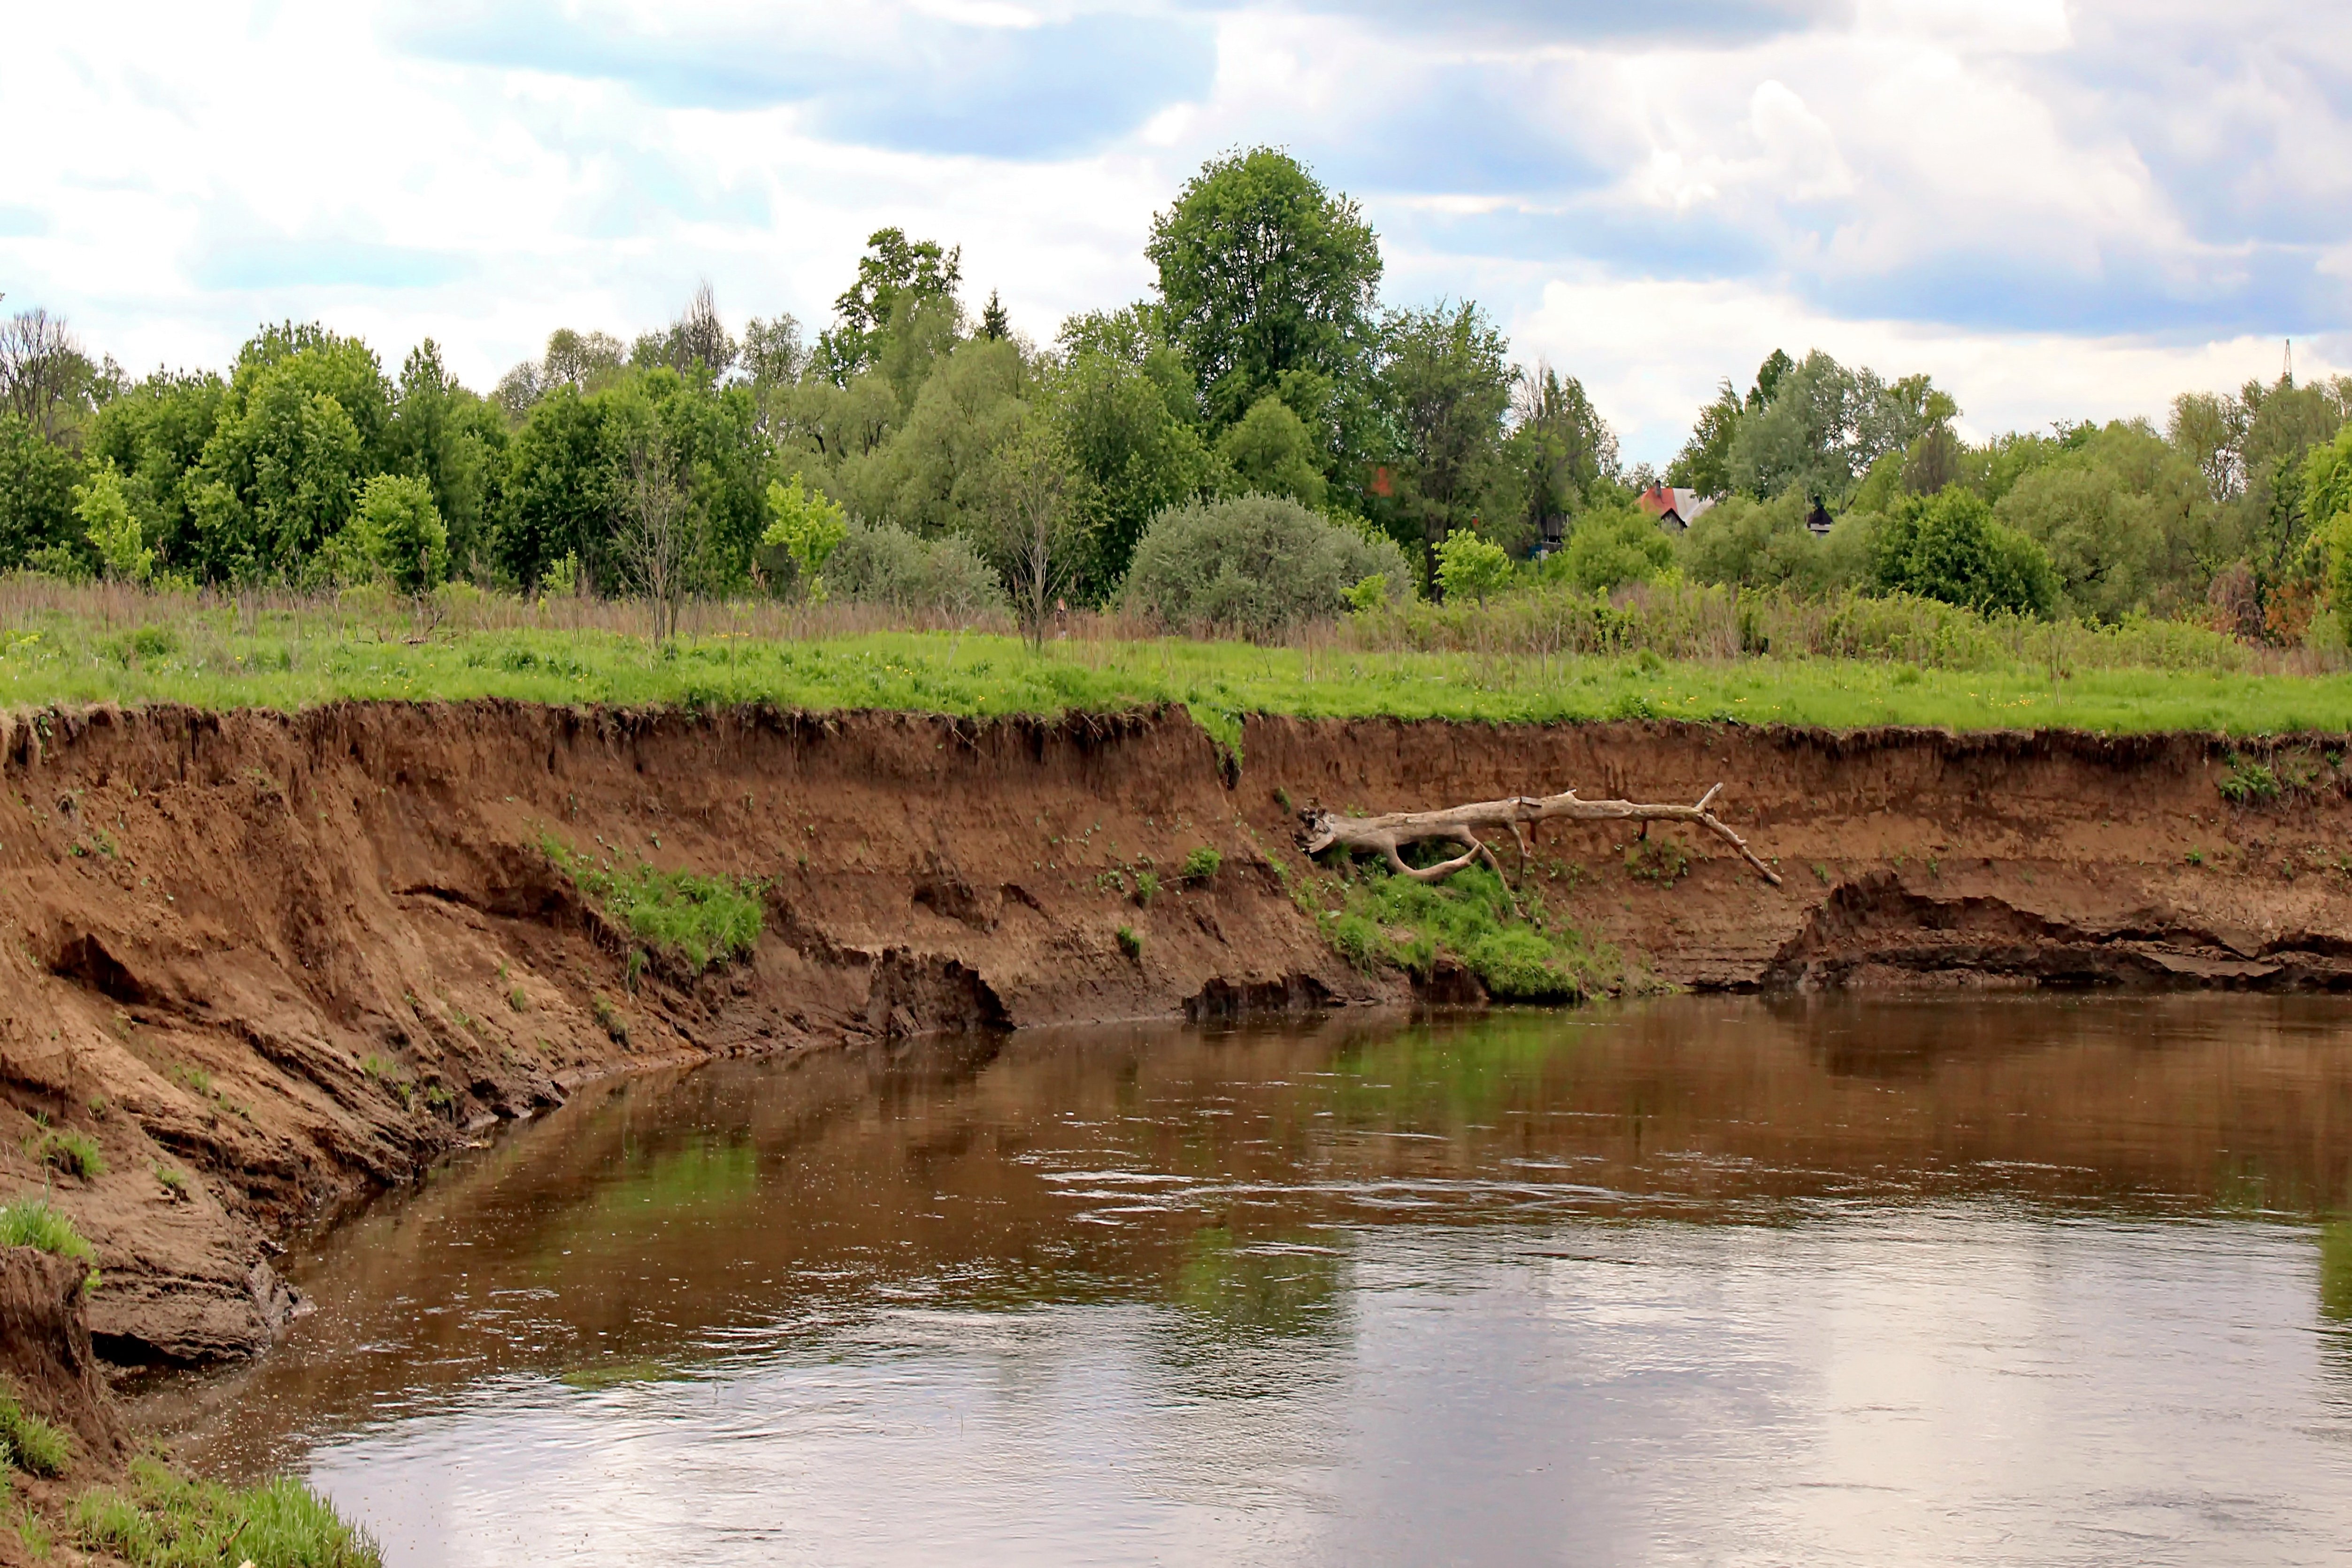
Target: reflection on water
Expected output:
[2017,1280]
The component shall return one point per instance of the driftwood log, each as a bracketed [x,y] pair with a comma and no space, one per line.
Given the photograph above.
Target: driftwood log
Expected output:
[1458,825]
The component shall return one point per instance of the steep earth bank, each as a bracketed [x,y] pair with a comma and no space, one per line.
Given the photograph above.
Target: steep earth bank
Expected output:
[292,959]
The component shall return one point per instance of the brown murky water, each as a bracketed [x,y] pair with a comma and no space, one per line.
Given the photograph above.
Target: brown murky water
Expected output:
[2020,1281]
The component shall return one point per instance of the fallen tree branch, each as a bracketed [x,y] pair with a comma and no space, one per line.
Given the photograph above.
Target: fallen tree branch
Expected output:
[1458,825]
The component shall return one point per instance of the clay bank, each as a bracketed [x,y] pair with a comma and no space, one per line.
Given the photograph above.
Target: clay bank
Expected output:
[269,963]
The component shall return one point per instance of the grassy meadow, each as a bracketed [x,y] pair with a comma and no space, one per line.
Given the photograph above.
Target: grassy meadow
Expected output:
[62,645]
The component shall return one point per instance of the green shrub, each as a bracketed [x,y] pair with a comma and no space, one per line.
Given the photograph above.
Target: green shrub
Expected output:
[1130,941]
[1946,546]
[1203,864]
[164,1522]
[885,564]
[1255,565]
[1471,568]
[704,920]
[1396,920]
[1147,888]
[2246,781]
[1612,546]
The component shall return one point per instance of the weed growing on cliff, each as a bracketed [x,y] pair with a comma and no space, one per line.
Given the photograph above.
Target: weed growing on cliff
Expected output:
[1203,864]
[32,1445]
[33,1531]
[173,1181]
[2247,781]
[33,1221]
[1395,920]
[1660,860]
[163,1522]
[704,920]
[1130,941]
[75,1153]
[609,1017]
[1147,888]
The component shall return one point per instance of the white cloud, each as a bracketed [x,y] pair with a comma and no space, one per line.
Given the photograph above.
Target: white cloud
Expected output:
[2061,210]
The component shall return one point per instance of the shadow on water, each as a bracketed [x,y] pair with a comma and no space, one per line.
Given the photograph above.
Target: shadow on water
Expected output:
[1249,1212]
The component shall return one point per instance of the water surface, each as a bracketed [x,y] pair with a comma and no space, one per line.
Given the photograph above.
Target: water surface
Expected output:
[2025,1280]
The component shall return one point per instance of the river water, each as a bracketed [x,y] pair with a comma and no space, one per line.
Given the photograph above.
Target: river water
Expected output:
[2008,1281]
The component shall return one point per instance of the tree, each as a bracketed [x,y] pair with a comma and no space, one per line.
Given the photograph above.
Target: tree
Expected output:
[808,528]
[111,528]
[1705,462]
[154,434]
[1801,437]
[1948,547]
[36,485]
[1469,567]
[1262,273]
[1559,445]
[659,533]
[561,495]
[894,275]
[304,421]
[398,530]
[994,321]
[697,346]
[1447,386]
[454,441]
[1615,545]
[1123,399]
[1272,454]
[1037,518]
[46,379]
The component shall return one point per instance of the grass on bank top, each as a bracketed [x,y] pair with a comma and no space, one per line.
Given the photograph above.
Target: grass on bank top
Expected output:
[287,658]
[161,1520]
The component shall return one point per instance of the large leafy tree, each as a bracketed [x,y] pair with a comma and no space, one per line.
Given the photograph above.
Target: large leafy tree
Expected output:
[306,418]
[560,492]
[1447,383]
[1267,278]
[154,433]
[897,278]
[1122,398]
[36,492]
[1559,446]
[452,440]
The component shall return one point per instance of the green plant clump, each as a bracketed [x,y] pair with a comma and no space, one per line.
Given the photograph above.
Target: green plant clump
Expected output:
[35,1222]
[1147,888]
[1392,920]
[2248,780]
[704,920]
[1203,864]
[75,1153]
[1130,941]
[164,1522]
[32,1445]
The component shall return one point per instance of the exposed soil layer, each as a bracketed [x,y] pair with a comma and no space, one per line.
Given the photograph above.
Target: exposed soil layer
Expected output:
[273,962]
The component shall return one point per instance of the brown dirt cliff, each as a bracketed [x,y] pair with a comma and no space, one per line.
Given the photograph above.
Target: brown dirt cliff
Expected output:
[272,962]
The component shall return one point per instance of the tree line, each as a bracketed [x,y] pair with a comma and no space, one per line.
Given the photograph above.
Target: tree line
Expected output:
[916,450]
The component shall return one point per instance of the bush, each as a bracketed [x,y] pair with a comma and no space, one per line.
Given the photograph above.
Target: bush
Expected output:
[1130,942]
[703,919]
[888,565]
[1257,565]
[1203,864]
[398,530]
[1469,567]
[1948,546]
[1612,546]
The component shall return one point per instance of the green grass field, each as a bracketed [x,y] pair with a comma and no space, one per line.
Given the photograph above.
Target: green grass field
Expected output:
[224,658]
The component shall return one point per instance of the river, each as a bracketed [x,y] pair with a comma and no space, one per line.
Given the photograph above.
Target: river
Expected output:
[1968,1279]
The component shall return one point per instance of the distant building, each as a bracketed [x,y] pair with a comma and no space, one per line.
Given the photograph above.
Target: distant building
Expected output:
[1819,520]
[1675,506]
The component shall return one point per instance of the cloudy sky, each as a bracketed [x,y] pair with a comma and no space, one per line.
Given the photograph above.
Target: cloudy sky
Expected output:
[2057,209]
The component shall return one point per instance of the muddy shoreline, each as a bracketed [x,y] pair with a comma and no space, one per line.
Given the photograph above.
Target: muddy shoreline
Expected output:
[297,958]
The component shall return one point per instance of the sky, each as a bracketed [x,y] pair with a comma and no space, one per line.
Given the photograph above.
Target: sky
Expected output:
[2058,210]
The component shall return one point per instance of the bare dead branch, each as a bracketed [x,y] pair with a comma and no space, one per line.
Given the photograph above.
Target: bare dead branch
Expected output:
[1390,834]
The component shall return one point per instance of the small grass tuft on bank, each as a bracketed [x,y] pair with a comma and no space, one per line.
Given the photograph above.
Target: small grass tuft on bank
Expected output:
[704,920]
[75,1153]
[31,1444]
[1388,920]
[161,1520]
[35,1222]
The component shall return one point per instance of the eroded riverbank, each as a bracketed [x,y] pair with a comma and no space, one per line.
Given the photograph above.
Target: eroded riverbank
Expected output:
[298,958]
